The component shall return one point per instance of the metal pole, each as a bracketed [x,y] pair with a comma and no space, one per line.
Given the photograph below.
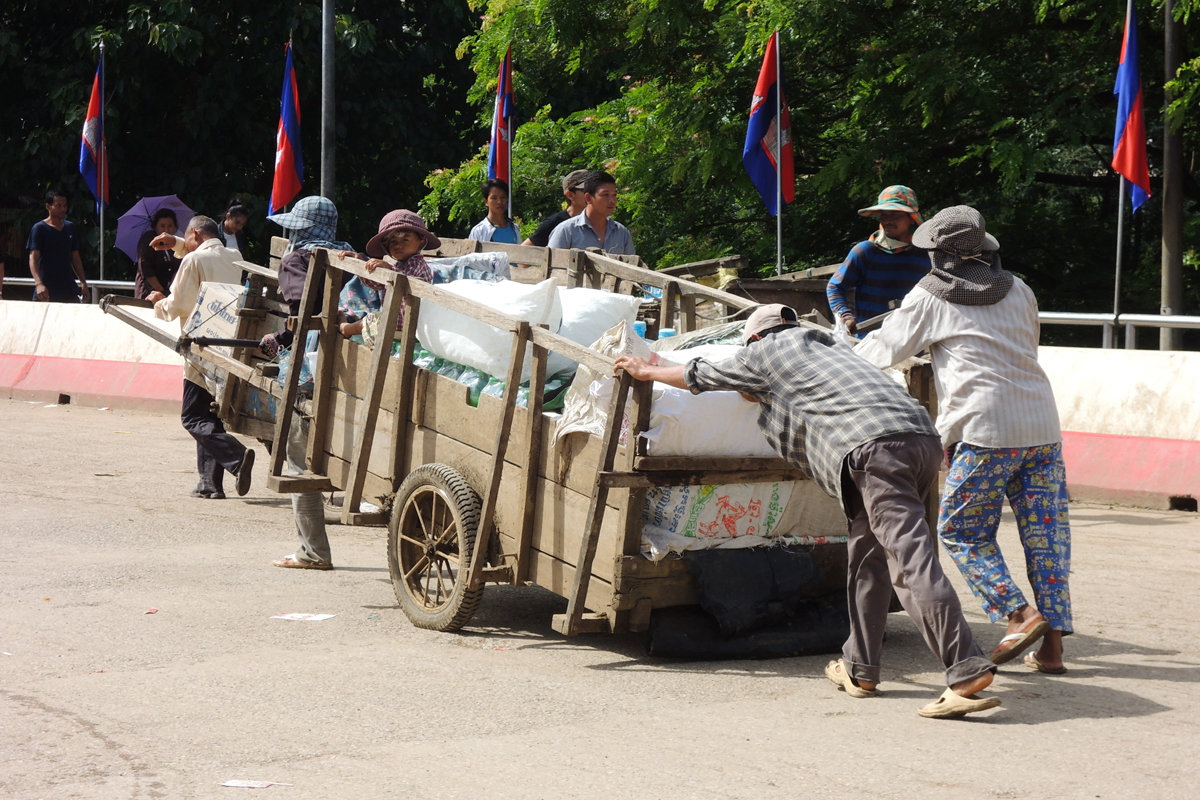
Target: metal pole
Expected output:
[327,100]
[103,171]
[778,156]
[1172,193]
[1120,256]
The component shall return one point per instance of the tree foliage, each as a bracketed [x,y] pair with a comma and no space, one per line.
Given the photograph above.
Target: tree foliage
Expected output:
[1003,104]
[193,92]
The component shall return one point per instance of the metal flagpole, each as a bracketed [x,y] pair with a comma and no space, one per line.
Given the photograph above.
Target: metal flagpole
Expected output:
[101,146]
[778,156]
[1109,329]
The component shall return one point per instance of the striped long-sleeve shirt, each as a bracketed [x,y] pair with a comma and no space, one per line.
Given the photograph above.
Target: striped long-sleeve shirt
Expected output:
[991,390]
[877,278]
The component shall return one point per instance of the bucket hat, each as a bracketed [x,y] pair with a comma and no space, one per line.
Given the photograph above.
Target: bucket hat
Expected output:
[895,198]
[767,317]
[401,220]
[309,212]
[957,230]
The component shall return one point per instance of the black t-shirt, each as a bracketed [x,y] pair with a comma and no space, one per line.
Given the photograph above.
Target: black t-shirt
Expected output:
[541,236]
[54,264]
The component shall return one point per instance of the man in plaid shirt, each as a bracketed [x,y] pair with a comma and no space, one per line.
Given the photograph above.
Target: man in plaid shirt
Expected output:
[865,441]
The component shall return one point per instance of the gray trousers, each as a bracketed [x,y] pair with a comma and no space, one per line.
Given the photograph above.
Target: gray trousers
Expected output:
[308,508]
[890,546]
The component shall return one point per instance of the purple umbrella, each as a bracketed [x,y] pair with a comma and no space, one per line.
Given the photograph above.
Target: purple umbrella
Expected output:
[138,219]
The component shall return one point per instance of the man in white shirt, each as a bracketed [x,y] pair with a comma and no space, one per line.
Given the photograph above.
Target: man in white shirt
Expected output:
[999,422]
[205,259]
[595,227]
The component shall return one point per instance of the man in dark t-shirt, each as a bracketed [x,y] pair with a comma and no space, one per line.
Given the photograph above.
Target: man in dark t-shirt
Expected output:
[573,190]
[54,260]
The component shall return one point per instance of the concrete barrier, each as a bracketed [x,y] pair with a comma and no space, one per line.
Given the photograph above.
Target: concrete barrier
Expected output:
[1131,423]
[51,350]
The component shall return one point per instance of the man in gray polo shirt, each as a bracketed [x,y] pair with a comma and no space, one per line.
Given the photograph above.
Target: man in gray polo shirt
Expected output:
[866,442]
[595,227]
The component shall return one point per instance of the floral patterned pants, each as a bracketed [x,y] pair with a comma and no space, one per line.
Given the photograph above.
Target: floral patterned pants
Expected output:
[1034,481]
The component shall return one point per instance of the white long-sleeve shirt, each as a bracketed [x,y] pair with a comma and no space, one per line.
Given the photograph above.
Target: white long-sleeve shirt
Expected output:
[991,390]
[211,261]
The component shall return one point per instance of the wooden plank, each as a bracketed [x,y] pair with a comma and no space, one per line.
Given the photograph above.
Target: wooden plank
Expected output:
[487,516]
[646,480]
[710,463]
[587,551]
[369,411]
[585,623]
[286,408]
[329,342]
[533,450]
[402,394]
[291,484]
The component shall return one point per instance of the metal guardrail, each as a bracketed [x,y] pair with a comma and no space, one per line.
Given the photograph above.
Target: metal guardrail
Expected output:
[98,288]
[1110,322]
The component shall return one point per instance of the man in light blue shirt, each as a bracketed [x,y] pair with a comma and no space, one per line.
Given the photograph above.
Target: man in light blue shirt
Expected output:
[595,226]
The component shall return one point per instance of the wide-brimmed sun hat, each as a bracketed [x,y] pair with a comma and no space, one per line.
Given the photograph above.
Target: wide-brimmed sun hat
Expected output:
[895,198]
[958,230]
[401,220]
[767,317]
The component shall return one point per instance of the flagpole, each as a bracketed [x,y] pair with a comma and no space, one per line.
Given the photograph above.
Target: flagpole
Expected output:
[103,161]
[778,155]
[1109,330]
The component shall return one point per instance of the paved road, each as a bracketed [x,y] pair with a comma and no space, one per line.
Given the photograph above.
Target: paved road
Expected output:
[100,699]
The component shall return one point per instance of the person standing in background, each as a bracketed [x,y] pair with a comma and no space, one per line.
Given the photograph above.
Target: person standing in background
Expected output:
[881,269]
[572,185]
[496,226]
[229,228]
[54,255]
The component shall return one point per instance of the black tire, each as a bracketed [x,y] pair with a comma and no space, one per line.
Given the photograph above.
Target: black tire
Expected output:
[431,537]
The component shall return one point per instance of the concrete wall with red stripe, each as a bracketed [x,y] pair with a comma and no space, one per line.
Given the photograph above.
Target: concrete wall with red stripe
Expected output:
[1130,418]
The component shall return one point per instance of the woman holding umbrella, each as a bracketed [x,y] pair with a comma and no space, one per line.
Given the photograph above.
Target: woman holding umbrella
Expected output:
[156,268]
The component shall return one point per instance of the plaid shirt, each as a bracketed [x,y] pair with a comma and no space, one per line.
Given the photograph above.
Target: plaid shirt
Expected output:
[818,399]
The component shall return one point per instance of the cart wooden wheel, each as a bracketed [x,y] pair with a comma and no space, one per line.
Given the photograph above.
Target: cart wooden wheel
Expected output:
[431,537]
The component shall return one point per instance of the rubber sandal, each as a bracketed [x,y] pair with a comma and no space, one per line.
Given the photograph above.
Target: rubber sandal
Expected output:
[1032,662]
[836,672]
[952,705]
[291,562]
[1014,644]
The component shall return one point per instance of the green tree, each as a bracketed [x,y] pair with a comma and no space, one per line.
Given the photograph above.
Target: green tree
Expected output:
[1003,104]
[193,91]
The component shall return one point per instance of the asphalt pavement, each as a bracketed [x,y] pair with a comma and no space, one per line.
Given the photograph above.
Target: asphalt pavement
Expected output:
[139,658]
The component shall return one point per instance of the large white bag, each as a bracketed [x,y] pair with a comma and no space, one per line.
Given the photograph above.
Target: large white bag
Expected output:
[587,314]
[465,340]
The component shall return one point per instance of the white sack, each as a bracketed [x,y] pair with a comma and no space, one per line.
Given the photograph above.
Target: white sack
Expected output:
[586,315]
[465,340]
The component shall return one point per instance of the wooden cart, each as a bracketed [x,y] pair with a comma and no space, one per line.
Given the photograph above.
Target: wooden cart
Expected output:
[482,494]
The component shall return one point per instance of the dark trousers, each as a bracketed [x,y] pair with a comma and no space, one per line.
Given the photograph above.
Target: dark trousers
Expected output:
[217,452]
[890,546]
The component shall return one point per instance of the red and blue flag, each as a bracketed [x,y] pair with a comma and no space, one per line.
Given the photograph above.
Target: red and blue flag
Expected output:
[1129,141]
[767,154]
[499,164]
[289,164]
[93,150]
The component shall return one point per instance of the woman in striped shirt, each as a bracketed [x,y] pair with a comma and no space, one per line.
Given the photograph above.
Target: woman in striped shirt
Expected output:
[999,423]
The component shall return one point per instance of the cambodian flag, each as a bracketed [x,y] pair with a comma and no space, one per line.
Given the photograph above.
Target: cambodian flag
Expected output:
[767,166]
[1129,141]
[500,148]
[93,150]
[289,164]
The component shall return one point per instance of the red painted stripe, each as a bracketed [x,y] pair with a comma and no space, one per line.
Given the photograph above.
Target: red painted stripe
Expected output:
[1140,469]
[93,381]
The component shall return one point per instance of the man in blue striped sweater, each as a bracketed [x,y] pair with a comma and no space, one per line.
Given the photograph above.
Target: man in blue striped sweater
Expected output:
[885,266]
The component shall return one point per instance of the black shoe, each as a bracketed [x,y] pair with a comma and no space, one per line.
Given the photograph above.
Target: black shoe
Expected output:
[208,494]
[243,475]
